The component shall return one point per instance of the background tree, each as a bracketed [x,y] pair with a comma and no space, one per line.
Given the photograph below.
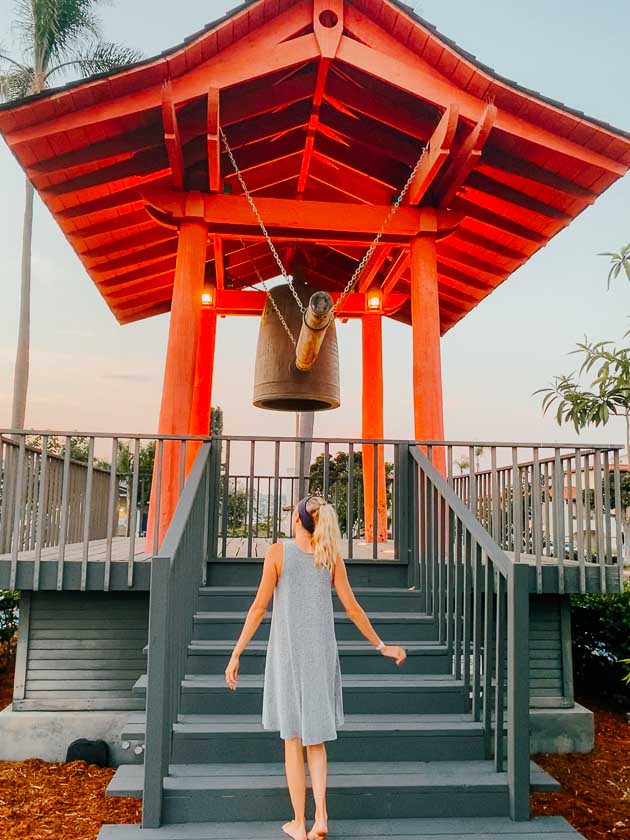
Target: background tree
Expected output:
[338,469]
[605,397]
[618,260]
[58,38]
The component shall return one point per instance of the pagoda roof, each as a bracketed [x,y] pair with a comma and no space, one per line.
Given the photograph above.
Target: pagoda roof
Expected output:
[346,125]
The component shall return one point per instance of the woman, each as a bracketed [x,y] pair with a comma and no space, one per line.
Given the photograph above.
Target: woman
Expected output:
[302,696]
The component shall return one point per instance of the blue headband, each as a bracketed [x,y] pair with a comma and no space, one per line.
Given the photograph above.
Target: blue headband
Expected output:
[305,517]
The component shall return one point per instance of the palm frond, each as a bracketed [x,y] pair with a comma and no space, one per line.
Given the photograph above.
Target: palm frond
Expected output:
[100,57]
[15,84]
[50,29]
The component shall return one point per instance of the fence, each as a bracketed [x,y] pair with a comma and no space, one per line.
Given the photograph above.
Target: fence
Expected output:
[77,488]
[480,600]
[261,478]
[550,503]
[176,573]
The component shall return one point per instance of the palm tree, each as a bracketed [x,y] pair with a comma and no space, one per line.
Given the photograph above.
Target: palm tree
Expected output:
[59,38]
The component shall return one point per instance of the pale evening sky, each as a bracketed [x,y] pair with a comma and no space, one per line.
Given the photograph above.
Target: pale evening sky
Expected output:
[89,373]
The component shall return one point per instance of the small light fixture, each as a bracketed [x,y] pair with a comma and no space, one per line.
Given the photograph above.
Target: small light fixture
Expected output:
[374,300]
[207,296]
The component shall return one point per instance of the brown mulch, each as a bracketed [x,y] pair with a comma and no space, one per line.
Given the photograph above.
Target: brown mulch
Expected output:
[595,795]
[43,801]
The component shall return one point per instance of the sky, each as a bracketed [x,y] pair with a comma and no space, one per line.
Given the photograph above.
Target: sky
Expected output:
[88,373]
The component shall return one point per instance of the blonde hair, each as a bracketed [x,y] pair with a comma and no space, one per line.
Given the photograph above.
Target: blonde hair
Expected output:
[326,536]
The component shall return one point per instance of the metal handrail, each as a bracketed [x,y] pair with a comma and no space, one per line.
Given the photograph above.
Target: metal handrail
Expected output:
[479,598]
[177,573]
[295,438]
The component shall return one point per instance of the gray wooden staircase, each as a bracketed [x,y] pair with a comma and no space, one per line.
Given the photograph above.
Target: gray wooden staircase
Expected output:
[413,759]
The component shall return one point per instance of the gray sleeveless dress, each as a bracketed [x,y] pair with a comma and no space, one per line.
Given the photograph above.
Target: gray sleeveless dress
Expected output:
[302,695]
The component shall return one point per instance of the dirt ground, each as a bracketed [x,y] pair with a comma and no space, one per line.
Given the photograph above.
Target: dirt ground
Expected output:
[43,801]
[595,795]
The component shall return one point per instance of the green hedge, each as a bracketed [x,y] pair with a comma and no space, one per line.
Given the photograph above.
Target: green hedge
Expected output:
[9,603]
[601,643]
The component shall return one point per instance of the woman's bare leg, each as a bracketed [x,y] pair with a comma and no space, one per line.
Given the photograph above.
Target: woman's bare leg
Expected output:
[318,770]
[296,781]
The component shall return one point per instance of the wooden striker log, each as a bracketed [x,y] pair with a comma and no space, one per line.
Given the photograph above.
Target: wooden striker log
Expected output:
[315,323]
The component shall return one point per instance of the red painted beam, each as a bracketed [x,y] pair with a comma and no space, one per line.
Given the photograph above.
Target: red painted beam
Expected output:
[329,220]
[231,302]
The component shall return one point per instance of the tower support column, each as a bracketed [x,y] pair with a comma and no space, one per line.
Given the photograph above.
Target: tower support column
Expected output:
[427,362]
[373,425]
[179,371]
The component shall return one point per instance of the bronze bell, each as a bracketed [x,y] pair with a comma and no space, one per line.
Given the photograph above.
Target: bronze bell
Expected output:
[278,384]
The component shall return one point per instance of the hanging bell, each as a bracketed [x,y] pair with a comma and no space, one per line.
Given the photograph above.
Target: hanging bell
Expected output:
[278,384]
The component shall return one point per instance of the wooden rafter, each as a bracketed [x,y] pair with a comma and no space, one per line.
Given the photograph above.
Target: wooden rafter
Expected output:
[435,156]
[396,271]
[219,265]
[213,141]
[380,54]
[172,138]
[466,158]
[328,38]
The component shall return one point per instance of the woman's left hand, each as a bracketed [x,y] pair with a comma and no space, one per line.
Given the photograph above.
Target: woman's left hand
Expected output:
[231,672]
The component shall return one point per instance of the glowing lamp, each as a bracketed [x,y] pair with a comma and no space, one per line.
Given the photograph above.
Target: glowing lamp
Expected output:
[207,296]
[374,300]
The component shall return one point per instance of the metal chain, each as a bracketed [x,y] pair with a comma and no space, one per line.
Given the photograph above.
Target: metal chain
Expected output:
[396,204]
[256,213]
[273,302]
[355,276]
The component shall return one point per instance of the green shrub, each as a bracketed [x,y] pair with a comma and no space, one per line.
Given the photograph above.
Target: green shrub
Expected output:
[9,602]
[601,645]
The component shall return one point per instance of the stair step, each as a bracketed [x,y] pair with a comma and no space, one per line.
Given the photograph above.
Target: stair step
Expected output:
[247,571]
[396,693]
[214,625]
[371,599]
[372,789]
[211,657]
[480,828]
[211,739]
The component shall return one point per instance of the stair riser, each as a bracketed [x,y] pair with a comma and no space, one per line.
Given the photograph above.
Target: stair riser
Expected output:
[344,630]
[371,602]
[348,803]
[234,573]
[351,663]
[215,748]
[248,701]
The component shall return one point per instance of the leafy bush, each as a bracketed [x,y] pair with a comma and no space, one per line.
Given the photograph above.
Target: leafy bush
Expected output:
[9,602]
[601,644]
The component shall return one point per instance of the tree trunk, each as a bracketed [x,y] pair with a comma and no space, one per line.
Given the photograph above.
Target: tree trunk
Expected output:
[20,380]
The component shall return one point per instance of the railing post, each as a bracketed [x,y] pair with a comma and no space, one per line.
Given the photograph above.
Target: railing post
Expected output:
[158,725]
[518,691]
[413,520]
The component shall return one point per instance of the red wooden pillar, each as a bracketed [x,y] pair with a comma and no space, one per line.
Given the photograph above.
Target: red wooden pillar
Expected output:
[204,368]
[180,367]
[427,363]
[372,335]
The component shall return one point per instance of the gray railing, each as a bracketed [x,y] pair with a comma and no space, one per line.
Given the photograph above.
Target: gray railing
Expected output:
[93,486]
[176,575]
[43,481]
[262,477]
[551,503]
[480,600]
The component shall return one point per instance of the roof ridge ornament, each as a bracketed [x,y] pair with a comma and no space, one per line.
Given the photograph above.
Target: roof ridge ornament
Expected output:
[328,22]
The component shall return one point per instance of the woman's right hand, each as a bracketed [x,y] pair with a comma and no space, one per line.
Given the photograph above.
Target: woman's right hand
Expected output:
[395,652]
